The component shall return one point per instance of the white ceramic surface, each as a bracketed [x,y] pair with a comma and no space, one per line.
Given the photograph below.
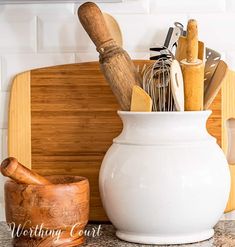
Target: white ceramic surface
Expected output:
[164,180]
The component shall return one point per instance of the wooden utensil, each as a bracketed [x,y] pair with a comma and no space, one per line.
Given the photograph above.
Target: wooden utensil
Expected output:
[115,63]
[212,61]
[215,83]
[180,53]
[177,85]
[72,120]
[58,206]
[113,28]
[11,168]
[141,101]
[193,71]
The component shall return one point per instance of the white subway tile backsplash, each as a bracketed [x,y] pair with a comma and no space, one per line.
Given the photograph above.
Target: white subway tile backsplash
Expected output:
[140,32]
[1,74]
[3,155]
[18,34]
[4,151]
[13,64]
[126,7]
[62,33]
[230,5]
[87,57]
[35,9]
[139,55]
[4,101]
[216,30]
[230,59]
[186,6]
[1,145]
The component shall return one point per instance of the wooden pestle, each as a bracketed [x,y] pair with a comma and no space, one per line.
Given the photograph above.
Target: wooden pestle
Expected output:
[193,71]
[115,63]
[11,168]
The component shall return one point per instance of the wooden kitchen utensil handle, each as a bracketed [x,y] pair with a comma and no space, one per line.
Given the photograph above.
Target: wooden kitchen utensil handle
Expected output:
[11,168]
[115,63]
[192,42]
[193,71]
[94,23]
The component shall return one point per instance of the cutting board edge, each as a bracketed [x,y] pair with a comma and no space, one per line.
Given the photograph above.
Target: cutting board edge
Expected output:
[19,129]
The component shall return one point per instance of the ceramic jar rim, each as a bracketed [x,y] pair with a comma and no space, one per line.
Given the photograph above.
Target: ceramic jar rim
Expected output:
[204,112]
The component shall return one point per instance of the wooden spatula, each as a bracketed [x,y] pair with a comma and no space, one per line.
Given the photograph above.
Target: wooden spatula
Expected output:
[141,101]
[215,83]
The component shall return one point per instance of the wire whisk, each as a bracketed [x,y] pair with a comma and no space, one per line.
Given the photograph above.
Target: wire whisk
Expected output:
[156,82]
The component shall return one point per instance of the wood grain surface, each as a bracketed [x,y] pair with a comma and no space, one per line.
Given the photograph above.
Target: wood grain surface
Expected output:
[19,128]
[73,122]
[228,112]
[62,205]
[228,99]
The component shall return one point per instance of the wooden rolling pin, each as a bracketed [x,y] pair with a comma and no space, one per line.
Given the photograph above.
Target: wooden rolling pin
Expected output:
[115,63]
[193,71]
[11,168]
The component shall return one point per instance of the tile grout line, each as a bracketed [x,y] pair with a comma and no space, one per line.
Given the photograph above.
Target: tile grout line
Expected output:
[36,28]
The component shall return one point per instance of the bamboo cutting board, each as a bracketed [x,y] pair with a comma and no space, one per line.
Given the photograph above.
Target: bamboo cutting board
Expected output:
[62,120]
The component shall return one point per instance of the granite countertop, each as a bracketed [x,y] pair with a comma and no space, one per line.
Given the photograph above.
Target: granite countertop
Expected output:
[224,237]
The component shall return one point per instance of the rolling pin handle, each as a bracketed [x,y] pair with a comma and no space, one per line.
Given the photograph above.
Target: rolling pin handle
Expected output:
[94,23]
[192,42]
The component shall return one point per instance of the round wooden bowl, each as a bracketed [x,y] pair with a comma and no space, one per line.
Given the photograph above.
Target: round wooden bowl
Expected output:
[59,207]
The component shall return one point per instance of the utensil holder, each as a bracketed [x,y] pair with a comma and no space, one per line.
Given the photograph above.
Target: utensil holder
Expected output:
[164,180]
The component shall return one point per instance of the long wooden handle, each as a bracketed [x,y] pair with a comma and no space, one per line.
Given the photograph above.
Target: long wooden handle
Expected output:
[11,168]
[192,42]
[94,23]
[193,75]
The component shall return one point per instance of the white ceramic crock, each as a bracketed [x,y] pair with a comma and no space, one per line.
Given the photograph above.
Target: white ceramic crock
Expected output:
[164,180]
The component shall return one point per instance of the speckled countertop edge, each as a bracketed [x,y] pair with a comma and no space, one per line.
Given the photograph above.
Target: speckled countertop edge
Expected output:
[224,237]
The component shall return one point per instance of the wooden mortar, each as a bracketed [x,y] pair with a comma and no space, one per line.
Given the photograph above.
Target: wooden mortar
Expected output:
[62,205]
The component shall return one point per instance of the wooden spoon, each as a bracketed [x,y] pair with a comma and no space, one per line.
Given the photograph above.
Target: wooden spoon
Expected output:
[114,28]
